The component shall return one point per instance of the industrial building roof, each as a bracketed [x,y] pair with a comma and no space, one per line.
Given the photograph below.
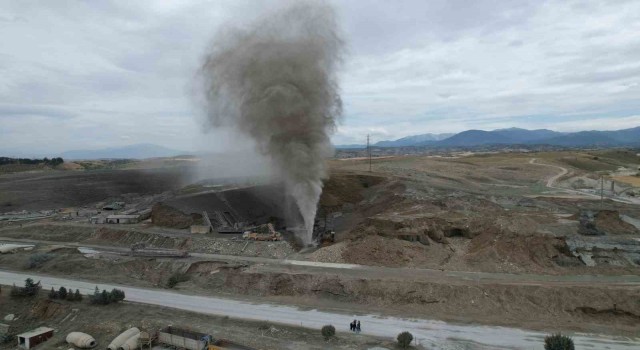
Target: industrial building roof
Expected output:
[35,332]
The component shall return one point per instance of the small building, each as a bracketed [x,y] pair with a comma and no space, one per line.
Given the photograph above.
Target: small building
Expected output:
[123,219]
[34,337]
[98,220]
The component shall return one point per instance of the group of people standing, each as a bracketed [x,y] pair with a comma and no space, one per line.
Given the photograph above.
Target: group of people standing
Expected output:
[355,326]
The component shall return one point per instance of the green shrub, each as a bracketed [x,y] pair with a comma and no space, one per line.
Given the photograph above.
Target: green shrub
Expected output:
[328,331]
[177,278]
[30,289]
[77,296]
[405,339]
[62,293]
[105,298]
[558,342]
[53,294]
[38,259]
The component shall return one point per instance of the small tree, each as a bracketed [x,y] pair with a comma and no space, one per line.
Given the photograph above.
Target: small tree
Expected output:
[405,339]
[328,331]
[30,288]
[95,298]
[105,297]
[62,293]
[70,295]
[558,342]
[53,294]
[77,296]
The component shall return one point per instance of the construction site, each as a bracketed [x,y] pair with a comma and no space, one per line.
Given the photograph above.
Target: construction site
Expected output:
[473,238]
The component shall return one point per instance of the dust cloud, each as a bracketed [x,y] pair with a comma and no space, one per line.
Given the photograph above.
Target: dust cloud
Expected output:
[275,81]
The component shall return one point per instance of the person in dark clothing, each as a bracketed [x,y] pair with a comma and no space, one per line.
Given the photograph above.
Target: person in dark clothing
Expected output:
[358,327]
[352,326]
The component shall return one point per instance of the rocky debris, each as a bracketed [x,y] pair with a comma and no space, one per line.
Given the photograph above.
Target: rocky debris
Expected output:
[266,249]
[331,254]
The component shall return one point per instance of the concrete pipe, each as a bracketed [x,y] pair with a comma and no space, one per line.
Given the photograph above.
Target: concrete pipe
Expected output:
[123,337]
[131,343]
[81,340]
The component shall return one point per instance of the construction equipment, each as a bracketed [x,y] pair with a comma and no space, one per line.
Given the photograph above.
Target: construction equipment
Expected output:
[260,235]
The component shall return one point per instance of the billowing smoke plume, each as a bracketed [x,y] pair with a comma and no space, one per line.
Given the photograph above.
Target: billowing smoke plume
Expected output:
[276,82]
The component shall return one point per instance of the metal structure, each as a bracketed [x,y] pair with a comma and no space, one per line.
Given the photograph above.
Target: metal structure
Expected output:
[34,337]
[183,339]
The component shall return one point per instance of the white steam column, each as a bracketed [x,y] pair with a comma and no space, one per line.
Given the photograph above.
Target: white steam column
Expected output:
[275,82]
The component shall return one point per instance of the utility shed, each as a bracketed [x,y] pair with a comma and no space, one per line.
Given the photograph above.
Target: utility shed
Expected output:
[123,219]
[183,339]
[34,337]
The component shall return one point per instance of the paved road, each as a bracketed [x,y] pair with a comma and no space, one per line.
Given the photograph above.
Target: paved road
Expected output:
[260,264]
[433,334]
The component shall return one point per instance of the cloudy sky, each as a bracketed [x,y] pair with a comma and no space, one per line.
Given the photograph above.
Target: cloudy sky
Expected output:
[95,74]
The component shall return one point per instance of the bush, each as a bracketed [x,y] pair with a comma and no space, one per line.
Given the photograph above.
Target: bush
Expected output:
[70,295]
[30,289]
[177,278]
[558,342]
[405,339]
[105,298]
[77,296]
[38,259]
[53,294]
[328,331]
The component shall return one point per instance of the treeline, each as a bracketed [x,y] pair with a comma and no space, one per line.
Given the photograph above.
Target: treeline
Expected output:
[31,289]
[52,162]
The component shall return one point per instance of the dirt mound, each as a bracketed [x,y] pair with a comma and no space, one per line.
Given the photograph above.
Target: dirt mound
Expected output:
[608,315]
[514,252]
[166,216]
[46,309]
[383,251]
[346,188]
[610,222]
[331,254]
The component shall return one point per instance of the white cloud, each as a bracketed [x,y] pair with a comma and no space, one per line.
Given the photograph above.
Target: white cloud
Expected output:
[85,74]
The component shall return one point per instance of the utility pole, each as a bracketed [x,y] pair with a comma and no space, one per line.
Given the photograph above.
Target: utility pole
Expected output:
[369,151]
[601,191]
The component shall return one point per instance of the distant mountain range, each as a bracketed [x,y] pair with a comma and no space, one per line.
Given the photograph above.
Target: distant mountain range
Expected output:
[516,136]
[137,151]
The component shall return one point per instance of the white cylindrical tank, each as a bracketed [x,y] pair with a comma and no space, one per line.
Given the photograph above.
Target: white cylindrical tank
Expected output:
[123,337]
[131,343]
[81,340]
